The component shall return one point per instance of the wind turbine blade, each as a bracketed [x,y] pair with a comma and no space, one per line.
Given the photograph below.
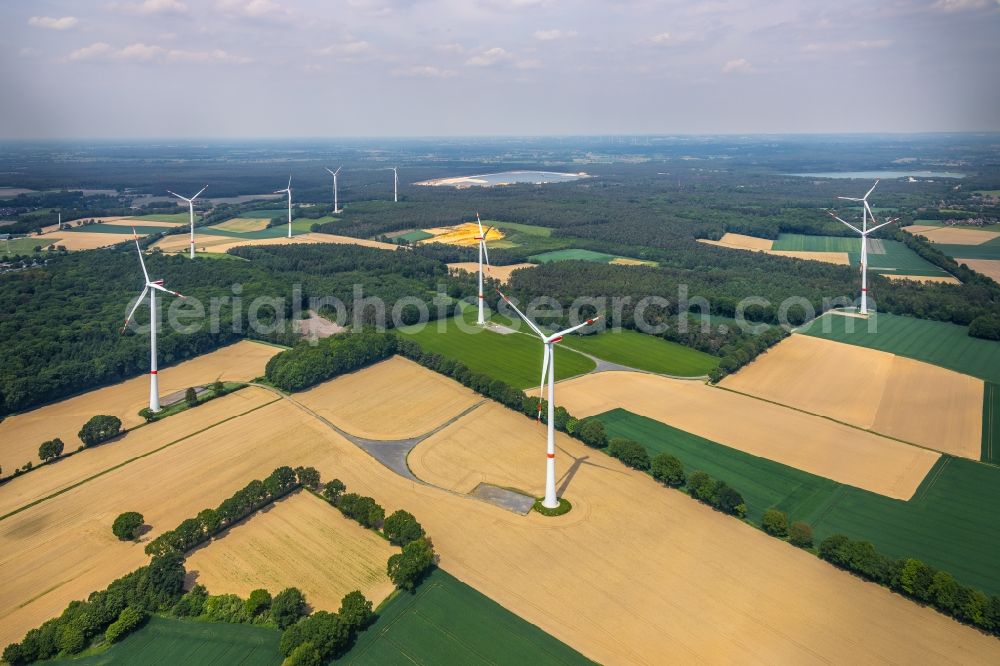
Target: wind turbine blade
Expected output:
[179,196]
[486,253]
[332,173]
[135,307]
[521,315]
[480,223]
[338,169]
[199,193]
[850,199]
[872,190]
[575,328]
[847,223]
[541,386]
[289,188]
[139,250]
[880,226]
[167,291]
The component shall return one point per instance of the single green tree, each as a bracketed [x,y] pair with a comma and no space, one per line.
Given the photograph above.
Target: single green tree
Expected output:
[406,568]
[629,452]
[50,449]
[99,429]
[126,526]
[191,397]
[668,469]
[775,523]
[401,528]
[800,534]
[592,433]
[333,490]
[308,477]
[258,602]
[355,610]
[287,607]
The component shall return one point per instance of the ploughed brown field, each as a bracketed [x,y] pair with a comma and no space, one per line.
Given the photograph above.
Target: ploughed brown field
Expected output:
[635,572]
[917,402]
[21,434]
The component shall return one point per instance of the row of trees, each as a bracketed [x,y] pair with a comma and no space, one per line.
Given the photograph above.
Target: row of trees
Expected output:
[915,579]
[112,612]
[309,364]
[209,522]
[282,610]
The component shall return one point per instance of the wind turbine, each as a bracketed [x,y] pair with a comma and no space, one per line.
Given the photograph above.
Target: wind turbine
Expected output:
[482,252]
[548,366]
[191,211]
[336,208]
[289,190]
[152,286]
[864,231]
[395,185]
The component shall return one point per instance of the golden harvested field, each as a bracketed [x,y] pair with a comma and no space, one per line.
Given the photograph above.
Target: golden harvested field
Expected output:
[52,478]
[741,242]
[300,542]
[800,440]
[892,395]
[461,234]
[839,258]
[129,222]
[220,244]
[394,399]
[625,261]
[952,236]
[677,589]
[21,434]
[86,240]
[501,273]
[988,267]
[181,242]
[245,224]
[941,279]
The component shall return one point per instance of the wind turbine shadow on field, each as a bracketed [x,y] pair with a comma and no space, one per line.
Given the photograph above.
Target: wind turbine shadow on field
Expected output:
[575,467]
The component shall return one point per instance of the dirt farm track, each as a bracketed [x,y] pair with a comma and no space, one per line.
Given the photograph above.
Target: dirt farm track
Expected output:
[635,572]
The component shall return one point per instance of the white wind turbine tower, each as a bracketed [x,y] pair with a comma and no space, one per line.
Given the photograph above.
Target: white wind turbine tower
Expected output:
[289,190]
[482,253]
[152,286]
[548,367]
[191,211]
[336,207]
[864,231]
[395,185]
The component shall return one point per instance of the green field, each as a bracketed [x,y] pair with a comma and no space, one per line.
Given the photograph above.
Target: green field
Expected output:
[804,243]
[27,245]
[988,250]
[168,217]
[447,623]
[991,424]
[645,352]
[100,228]
[414,236]
[530,229]
[168,642]
[950,522]
[514,358]
[897,258]
[940,343]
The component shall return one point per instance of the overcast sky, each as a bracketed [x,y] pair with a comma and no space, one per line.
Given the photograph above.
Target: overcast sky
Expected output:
[280,68]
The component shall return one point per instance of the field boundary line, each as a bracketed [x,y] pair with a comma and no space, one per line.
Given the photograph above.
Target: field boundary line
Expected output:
[830,418]
[132,460]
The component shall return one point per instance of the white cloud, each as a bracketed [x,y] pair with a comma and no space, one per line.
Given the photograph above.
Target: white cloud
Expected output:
[348,48]
[63,23]
[140,52]
[489,58]
[253,8]
[148,7]
[838,47]
[554,34]
[737,66]
[92,52]
[530,63]
[28,52]
[669,38]
[962,5]
[425,72]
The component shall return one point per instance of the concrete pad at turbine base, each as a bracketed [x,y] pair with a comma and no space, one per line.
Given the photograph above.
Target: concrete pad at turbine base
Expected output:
[504,498]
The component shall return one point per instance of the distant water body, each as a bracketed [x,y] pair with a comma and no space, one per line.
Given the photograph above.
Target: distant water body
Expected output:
[870,175]
[507,178]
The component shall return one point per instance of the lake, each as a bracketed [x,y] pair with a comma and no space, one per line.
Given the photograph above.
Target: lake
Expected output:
[506,178]
[871,175]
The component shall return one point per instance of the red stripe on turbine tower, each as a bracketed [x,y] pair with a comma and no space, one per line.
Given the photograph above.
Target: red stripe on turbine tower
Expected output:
[152,372]
[550,455]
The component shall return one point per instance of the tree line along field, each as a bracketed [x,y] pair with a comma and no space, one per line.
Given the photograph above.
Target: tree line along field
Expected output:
[644,352]
[167,641]
[950,522]
[448,622]
[940,343]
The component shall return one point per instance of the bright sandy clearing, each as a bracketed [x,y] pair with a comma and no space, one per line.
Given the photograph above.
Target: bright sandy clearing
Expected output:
[943,279]
[988,267]
[181,242]
[394,399]
[892,395]
[461,234]
[625,261]
[741,242]
[501,273]
[220,244]
[21,434]
[244,224]
[951,235]
[839,258]
[85,240]
[300,542]
[700,586]
[794,438]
